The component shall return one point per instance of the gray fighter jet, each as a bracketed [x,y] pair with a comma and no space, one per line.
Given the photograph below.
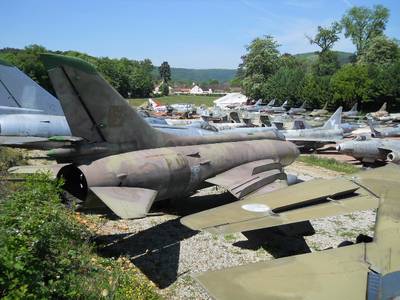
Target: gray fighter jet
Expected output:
[371,150]
[353,112]
[27,110]
[298,110]
[384,131]
[313,138]
[275,109]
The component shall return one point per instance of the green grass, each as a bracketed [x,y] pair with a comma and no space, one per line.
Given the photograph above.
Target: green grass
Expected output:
[229,237]
[196,100]
[328,163]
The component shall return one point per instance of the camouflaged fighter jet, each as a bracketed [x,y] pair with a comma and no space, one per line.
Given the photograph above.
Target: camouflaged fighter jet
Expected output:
[314,138]
[366,270]
[170,166]
[28,113]
[106,124]
[320,112]
[381,113]
[371,150]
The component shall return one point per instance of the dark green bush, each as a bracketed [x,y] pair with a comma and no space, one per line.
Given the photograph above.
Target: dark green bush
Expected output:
[46,253]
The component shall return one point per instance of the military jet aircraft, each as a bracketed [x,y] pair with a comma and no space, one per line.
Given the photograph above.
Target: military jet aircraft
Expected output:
[314,138]
[163,165]
[384,131]
[106,123]
[353,112]
[259,105]
[371,150]
[298,110]
[381,113]
[275,109]
[27,110]
[320,112]
[366,270]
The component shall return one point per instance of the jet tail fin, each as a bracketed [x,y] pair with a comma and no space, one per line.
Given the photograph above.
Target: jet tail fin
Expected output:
[383,107]
[335,120]
[284,104]
[303,105]
[374,132]
[325,106]
[354,108]
[271,103]
[19,94]
[94,109]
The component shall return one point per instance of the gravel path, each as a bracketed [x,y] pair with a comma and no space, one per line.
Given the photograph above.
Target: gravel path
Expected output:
[169,253]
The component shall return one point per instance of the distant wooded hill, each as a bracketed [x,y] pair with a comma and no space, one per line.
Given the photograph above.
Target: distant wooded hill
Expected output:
[224,75]
[344,57]
[200,75]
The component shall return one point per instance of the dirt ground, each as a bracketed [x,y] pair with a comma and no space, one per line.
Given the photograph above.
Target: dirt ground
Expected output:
[169,253]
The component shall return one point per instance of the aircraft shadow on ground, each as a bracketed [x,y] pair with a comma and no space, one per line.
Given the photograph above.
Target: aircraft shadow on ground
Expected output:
[155,251]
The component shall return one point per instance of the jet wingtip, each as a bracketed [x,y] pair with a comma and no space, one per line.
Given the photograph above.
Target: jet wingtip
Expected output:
[52,61]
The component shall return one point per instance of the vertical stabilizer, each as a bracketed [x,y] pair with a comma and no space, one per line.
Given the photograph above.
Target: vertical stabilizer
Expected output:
[335,120]
[20,91]
[374,132]
[94,109]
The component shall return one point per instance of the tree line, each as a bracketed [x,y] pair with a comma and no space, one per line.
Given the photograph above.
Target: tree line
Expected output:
[131,78]
[370,78]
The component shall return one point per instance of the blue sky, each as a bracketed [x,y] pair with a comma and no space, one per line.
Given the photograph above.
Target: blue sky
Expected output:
[191,33]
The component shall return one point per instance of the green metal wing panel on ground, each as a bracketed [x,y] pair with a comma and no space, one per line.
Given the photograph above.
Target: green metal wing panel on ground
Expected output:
[332,274]
[361,271]
[300,202]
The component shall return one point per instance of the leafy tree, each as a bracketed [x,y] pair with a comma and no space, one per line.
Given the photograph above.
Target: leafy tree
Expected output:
[316,90]
[362,24]
[380,50]
[128,77]
[165,89]
[352,83]
[165,72]
[260,62]
[286,84]
[27,60]
[386,84]
[327,63]
[326,37]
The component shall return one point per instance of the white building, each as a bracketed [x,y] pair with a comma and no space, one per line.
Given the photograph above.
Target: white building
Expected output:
[196,90]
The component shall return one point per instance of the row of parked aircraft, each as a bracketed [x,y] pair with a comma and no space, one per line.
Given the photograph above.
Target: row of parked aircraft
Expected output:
[114,153]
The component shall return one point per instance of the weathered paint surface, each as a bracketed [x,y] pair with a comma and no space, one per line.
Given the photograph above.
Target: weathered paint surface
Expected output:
[178,171]
[361,271]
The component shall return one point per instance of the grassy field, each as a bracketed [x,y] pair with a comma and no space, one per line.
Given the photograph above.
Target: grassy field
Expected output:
[328,163]
[196,100]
